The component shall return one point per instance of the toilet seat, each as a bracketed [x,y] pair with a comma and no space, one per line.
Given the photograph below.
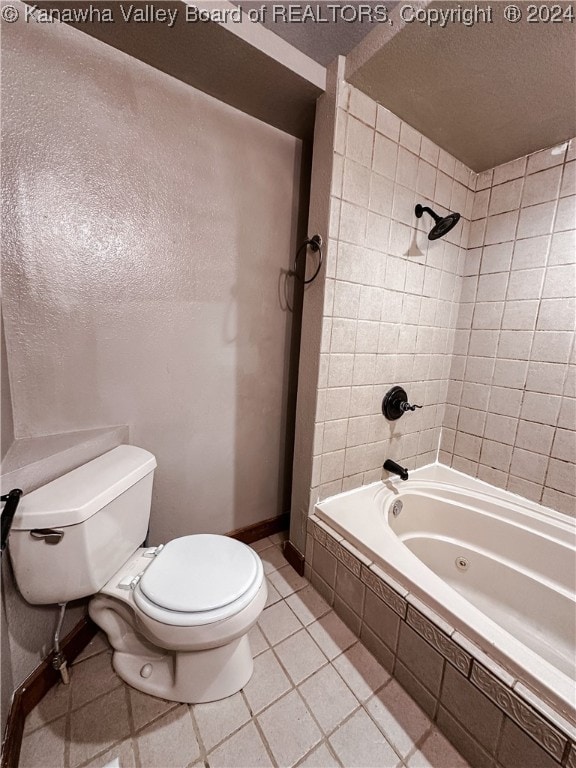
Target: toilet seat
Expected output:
[198,580]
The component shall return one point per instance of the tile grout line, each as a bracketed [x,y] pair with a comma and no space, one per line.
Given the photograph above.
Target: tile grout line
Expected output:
[198,733]
[254,718]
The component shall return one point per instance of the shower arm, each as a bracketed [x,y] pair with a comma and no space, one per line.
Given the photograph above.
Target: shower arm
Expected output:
[420,209]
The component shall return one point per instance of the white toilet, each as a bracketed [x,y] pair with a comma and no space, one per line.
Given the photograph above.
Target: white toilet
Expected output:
[177,615]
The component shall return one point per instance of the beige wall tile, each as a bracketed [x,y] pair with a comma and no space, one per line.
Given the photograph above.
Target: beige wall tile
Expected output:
[541,187]
[506,197]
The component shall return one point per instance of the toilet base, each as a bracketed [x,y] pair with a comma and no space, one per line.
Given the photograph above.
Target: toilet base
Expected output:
[191,677]
[194,678]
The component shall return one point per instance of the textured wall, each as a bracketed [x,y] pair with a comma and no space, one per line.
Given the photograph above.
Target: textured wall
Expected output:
[6,420]
[391,295]
[511,417]
[146,231]
[147,227]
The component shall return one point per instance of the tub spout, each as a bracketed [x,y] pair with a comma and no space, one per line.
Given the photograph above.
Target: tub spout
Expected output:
[396,469]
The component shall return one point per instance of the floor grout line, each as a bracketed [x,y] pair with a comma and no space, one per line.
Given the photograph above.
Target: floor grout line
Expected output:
[255,717]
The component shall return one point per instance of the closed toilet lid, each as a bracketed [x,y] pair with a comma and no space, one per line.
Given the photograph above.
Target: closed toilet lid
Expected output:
[204,572]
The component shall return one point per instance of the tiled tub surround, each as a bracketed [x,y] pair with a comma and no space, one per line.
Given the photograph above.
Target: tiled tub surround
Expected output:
[318,699]
[486,713]
[391,295]
[511,412]
[493,301]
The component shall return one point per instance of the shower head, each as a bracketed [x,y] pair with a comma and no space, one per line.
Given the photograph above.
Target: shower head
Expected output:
[443,223]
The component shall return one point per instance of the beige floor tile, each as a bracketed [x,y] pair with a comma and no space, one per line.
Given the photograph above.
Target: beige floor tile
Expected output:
[272,559]
[308,605]
[358,744]
[92,678]
[399,717]
[328,697]
[169,742]
[120,756]
[332,635]
[289,729]
[321,757]
[258,643]
[300,656]
[98,644]
[278,622]
[436,752]
[273,595]
[279,538]
[262,544]
[218,719]
[45,747]
[98,725]
[53,705]
[361,671]
[147,708]
[268,682]
[287,580]
[243,750]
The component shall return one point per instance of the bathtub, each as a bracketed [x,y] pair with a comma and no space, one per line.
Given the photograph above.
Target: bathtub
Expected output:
[496,567]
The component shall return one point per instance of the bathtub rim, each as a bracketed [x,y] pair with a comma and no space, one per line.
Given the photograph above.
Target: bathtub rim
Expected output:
[553,687]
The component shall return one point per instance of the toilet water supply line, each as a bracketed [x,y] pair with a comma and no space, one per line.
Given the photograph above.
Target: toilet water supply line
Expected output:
[12,498]
[59,660]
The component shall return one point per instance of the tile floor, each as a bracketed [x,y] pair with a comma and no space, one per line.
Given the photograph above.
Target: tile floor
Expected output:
[317,699]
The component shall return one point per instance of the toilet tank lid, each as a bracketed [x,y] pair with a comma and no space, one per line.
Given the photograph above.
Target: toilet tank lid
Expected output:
[79,494]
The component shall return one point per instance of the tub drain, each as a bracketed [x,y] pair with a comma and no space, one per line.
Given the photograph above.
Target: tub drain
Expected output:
[462,564]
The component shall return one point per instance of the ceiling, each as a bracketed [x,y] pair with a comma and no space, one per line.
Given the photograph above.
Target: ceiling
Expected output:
[332,35]
[486,93]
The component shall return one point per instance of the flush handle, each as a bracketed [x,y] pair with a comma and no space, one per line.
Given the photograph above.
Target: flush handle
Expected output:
[48,535]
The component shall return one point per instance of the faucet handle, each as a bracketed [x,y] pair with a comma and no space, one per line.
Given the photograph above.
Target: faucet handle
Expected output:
[395,403]
[407,407]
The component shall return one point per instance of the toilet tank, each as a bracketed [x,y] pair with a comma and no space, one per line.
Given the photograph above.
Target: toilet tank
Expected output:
[70,536]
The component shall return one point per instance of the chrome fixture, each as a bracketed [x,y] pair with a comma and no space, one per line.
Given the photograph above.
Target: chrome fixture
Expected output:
[443,223]
[395,403]
[396,469]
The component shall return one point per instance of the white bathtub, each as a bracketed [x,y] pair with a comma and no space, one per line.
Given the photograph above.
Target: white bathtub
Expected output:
[498,568]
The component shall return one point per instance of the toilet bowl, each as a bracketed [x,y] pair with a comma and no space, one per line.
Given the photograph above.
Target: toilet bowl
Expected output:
[177,616]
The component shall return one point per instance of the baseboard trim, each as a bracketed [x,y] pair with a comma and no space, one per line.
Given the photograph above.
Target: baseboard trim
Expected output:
[36,686]
[258,531]
[294,557]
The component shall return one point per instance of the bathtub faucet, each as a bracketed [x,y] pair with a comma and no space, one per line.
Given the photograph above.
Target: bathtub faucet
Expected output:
[396,469]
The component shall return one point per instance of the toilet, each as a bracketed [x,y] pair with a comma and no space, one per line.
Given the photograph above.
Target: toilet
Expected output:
[178,615]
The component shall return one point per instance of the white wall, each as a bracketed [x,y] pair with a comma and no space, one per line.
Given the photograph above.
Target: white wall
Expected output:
[147,231]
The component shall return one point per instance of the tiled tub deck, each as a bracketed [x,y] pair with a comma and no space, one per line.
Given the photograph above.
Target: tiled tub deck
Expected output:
[492,719]
[317,699]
